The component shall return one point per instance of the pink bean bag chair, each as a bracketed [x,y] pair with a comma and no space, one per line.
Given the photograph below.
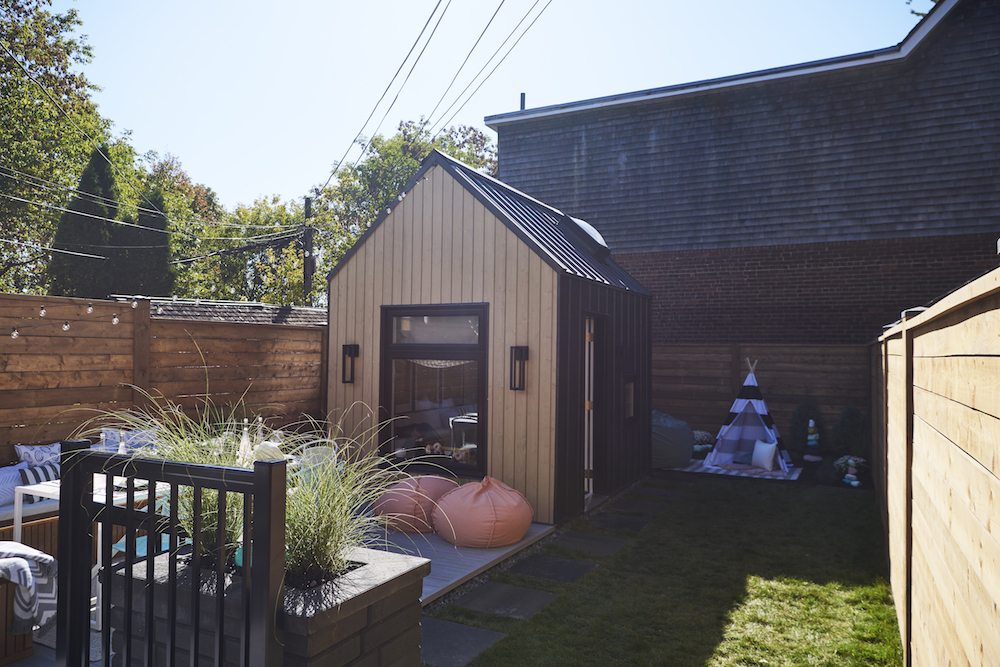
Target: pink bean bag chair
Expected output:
[482,514]
[408,504]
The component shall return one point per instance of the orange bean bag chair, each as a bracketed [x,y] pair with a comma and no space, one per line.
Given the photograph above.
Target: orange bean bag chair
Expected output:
[482,514]
[407,505]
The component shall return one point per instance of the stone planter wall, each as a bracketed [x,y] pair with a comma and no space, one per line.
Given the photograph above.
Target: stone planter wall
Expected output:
[369,617]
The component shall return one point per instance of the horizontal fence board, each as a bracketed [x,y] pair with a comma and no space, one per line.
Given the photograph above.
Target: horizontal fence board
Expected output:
[219,345]
[239,331]
[64,397]
[70,342]
[47,374]
[974,432]
[971,381]
[17,363]
[699,383]
[158,360]
[970,330]
[165,374]
[67,380]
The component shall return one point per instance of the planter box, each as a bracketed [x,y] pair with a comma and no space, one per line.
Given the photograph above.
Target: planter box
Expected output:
[369,616]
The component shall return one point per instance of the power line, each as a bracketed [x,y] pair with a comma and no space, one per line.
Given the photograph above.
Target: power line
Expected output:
[73,122]
[232,251]
[495,66]
[384,93]
[135,226]
[35,246]
[412,67]
[45,184]
[462,66]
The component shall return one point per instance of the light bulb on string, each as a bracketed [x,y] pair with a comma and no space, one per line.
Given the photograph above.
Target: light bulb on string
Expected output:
[159,310]
[66,325]
[135,304]
[114,318]
[90,308]
[41,311]
[13,333]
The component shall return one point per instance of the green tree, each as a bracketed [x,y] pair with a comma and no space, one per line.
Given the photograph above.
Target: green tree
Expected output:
[140,257]
[43,152]
[920,14]
[359,192]
[85,229]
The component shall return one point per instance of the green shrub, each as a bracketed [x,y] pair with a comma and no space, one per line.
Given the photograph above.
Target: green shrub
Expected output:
[798,428]
[850,433]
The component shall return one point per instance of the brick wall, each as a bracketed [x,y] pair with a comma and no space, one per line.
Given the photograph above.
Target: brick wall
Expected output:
[819,293]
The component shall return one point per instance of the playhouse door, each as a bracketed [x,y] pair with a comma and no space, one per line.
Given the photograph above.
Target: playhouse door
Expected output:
[588,414]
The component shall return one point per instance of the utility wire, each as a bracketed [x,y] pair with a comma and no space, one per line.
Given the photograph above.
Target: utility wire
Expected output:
[135,226]
[35,246]
[495,66]
[394,99]
[45,184]
[232,251]
[462,66]
[73,122]
[386,92]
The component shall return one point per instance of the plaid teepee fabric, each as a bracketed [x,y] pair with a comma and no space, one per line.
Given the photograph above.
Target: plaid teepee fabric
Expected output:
[749,421]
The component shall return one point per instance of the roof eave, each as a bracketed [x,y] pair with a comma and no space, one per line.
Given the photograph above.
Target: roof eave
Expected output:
[898,52]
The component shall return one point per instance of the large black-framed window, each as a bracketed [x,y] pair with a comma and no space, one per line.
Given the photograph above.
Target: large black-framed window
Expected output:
[433,385]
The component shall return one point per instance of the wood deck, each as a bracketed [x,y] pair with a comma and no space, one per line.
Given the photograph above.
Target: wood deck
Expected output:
[452,566]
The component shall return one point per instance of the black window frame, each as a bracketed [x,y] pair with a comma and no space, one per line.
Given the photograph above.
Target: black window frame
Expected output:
[479,352]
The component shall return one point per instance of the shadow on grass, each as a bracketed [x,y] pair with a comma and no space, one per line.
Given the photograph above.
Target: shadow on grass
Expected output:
[708,564]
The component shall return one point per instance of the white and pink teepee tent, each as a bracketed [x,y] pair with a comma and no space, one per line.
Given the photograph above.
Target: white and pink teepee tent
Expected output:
[749,423]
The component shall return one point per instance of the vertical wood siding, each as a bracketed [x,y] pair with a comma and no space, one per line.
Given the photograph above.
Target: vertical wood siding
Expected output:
[441,246]
[621,449]
[942,480]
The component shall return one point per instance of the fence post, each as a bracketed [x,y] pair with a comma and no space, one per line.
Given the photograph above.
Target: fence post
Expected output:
[140,354]
[267,562]
[908,490]
[73,578]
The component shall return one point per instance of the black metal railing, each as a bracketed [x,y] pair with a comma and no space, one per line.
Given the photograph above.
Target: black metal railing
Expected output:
[176,596]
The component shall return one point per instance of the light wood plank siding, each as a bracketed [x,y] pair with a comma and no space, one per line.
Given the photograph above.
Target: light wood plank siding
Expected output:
[942,482]
[440,245]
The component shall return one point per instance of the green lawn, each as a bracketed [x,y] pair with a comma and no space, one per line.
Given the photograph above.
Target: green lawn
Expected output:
[735,572]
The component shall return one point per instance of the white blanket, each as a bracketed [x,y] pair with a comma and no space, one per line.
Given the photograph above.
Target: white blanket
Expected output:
[34,574]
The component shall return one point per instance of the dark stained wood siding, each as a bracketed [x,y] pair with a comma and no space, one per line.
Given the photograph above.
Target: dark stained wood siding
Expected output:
[622,449]
[906,148]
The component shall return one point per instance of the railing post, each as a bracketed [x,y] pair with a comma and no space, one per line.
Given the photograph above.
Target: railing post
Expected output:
[267,563]
[73,579]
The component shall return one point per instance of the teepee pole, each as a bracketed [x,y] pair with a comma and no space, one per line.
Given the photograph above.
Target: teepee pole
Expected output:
[751,366]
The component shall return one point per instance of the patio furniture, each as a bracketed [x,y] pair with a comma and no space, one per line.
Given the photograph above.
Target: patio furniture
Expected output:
[482,514]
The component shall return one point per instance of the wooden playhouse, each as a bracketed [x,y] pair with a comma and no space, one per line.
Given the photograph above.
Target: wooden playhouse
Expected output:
[499,336]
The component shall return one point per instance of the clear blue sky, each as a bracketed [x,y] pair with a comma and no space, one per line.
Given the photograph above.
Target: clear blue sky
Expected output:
[260,98]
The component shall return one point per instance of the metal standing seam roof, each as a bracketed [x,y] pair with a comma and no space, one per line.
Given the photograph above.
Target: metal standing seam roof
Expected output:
[556,237]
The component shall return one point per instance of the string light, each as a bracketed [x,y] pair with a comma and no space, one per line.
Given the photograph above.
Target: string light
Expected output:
[41,311]
[114,318]
[65,326]
[90,308]
[159,310]
[135,304]
[14,334]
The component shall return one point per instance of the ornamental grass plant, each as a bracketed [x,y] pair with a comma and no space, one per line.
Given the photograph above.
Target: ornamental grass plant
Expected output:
[327,512]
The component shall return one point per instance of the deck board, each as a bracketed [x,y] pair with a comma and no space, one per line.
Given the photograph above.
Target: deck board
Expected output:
[452,566]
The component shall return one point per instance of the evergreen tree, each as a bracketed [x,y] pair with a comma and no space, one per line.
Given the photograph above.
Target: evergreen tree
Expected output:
[141,258]
[85,229]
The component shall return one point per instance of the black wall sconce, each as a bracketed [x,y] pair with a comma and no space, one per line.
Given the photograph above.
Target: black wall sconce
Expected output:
[518,364]
[350,352]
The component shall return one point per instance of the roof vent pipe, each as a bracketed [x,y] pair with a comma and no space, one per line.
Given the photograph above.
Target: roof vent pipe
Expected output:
[522,101]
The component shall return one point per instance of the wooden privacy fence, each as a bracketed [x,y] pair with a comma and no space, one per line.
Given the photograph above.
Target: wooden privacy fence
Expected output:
[697,383]
[52,379]
[937,456]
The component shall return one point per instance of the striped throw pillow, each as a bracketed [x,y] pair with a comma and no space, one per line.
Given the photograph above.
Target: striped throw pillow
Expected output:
[38,474]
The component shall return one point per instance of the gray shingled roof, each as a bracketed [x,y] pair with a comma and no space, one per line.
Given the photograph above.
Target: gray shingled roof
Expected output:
[864,149]
[233,311]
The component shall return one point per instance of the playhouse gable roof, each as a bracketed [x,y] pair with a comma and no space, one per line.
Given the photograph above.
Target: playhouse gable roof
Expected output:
[566,244]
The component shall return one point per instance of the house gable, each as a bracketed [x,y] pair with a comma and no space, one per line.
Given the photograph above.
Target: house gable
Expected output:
[892,148]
